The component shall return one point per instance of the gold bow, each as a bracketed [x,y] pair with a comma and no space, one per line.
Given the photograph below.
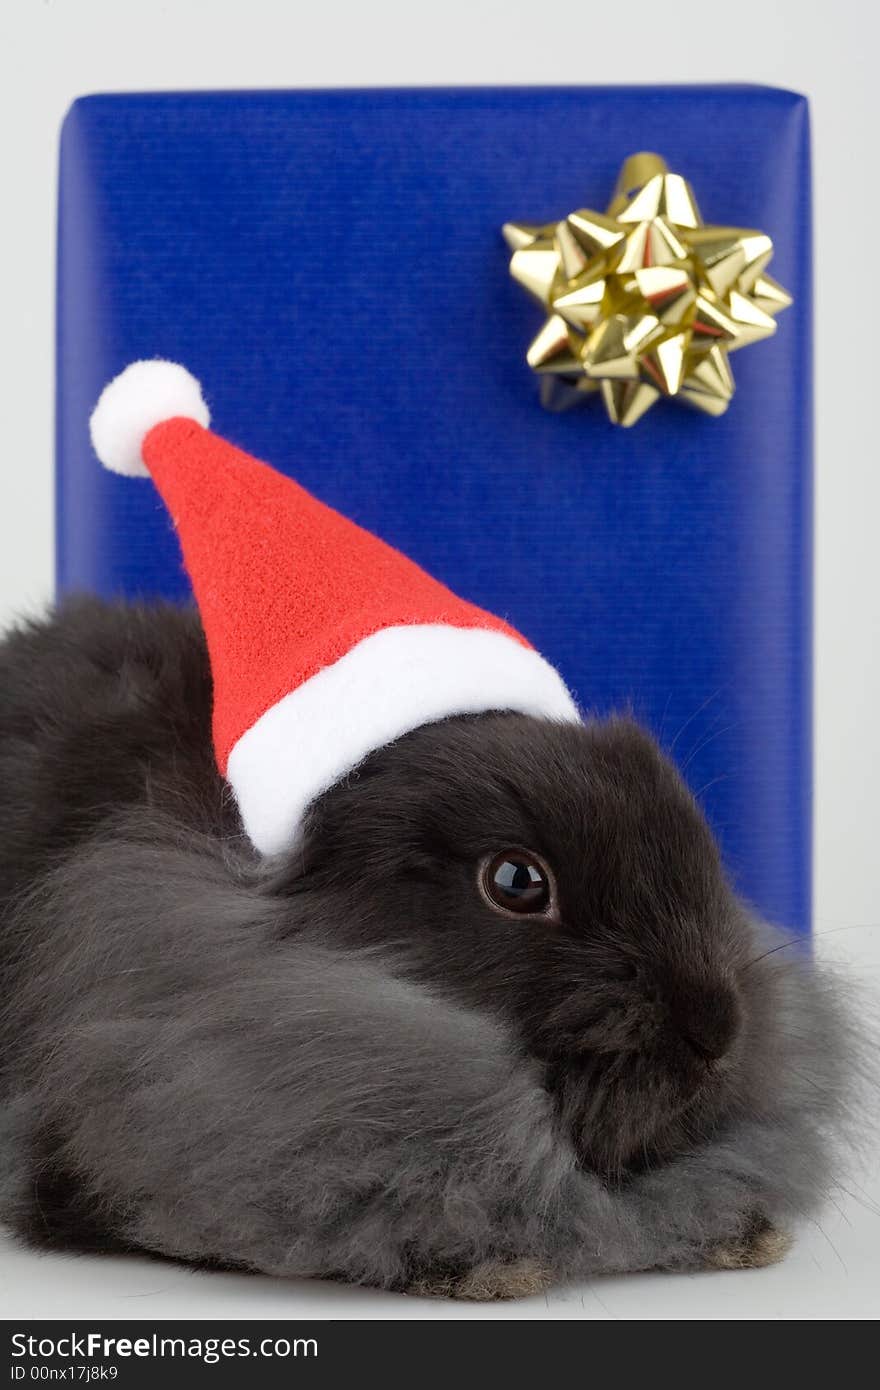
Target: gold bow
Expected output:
[643,300]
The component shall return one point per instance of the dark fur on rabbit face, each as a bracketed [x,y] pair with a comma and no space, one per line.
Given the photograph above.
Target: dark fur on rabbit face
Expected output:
[638,996]
[346,1062]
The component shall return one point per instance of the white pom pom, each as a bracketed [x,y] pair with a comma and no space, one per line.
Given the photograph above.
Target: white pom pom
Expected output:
[143,395]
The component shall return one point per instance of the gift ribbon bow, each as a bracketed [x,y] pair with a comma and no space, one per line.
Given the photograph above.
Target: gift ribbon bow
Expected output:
[643,300]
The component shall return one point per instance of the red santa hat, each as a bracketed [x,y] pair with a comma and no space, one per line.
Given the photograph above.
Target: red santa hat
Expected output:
[325,643]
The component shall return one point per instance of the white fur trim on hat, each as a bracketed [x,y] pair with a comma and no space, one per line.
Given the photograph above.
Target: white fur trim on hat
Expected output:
[387,685]
[142,396]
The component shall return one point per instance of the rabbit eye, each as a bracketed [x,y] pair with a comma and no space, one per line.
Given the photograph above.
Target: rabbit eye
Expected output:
[516,881]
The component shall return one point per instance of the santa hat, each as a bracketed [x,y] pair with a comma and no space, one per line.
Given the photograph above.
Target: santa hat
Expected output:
[325,643]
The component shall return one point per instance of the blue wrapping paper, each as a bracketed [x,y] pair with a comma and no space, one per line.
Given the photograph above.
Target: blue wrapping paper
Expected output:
[330,265]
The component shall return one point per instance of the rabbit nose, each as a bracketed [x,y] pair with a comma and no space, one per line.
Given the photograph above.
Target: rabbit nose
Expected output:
[708,1019]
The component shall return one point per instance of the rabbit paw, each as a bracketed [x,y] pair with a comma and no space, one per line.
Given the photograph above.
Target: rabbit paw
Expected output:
[760,1244]
[491,1280]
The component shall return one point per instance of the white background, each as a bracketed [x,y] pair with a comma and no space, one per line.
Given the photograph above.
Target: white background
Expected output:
[54,50]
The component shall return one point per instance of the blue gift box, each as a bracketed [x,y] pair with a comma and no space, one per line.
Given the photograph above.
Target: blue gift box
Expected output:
[330,265]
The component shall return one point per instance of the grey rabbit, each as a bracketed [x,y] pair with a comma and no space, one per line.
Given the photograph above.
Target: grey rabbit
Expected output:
[497,1020]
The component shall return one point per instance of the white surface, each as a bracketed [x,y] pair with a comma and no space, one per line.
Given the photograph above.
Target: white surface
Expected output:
[54,50]
[827,1277]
